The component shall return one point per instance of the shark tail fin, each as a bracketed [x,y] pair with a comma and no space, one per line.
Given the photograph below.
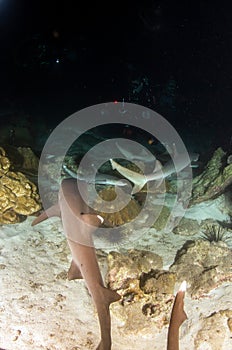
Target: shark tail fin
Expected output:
[52,211]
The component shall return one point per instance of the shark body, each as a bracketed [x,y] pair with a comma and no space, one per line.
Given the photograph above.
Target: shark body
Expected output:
[142,156]
[160,172]
[79,225]
[100,179]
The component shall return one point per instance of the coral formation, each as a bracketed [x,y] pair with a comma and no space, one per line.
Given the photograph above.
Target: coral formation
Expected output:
[123,268]
[213,330]
[122,216]
[213,181]
[18,195]
[146,289]
[211,265]
[4,162]
[187,227]
[29,160]
[156,281]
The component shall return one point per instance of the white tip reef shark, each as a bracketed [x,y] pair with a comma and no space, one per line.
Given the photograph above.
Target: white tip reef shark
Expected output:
[159,173]
[79,225]
[100,179]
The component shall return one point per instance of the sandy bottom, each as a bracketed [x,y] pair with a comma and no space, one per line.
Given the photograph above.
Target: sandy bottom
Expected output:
[41,310]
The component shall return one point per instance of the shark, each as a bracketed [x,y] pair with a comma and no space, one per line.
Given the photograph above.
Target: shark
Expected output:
[142,156]
[160,172]
[79,223]
[148,157]
[100,179]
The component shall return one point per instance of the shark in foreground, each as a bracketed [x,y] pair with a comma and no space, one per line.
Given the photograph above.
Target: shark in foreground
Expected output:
[79,225]
[159,174]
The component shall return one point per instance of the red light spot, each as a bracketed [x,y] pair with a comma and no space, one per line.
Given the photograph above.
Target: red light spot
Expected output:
[115,101]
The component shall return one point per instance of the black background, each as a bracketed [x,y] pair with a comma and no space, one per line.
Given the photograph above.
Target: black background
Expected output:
[90,52]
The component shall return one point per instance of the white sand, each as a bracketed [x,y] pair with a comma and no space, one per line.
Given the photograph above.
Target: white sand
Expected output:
[41,309]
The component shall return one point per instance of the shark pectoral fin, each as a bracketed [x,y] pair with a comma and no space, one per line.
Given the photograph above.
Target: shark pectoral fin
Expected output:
[43,216]
[74,272]
[52,211]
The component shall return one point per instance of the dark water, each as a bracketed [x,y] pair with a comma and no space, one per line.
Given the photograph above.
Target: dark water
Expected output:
[174,59]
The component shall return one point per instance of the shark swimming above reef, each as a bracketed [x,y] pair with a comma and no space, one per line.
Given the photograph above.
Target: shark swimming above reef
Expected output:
[159,174]
[141,156]
[100,179]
